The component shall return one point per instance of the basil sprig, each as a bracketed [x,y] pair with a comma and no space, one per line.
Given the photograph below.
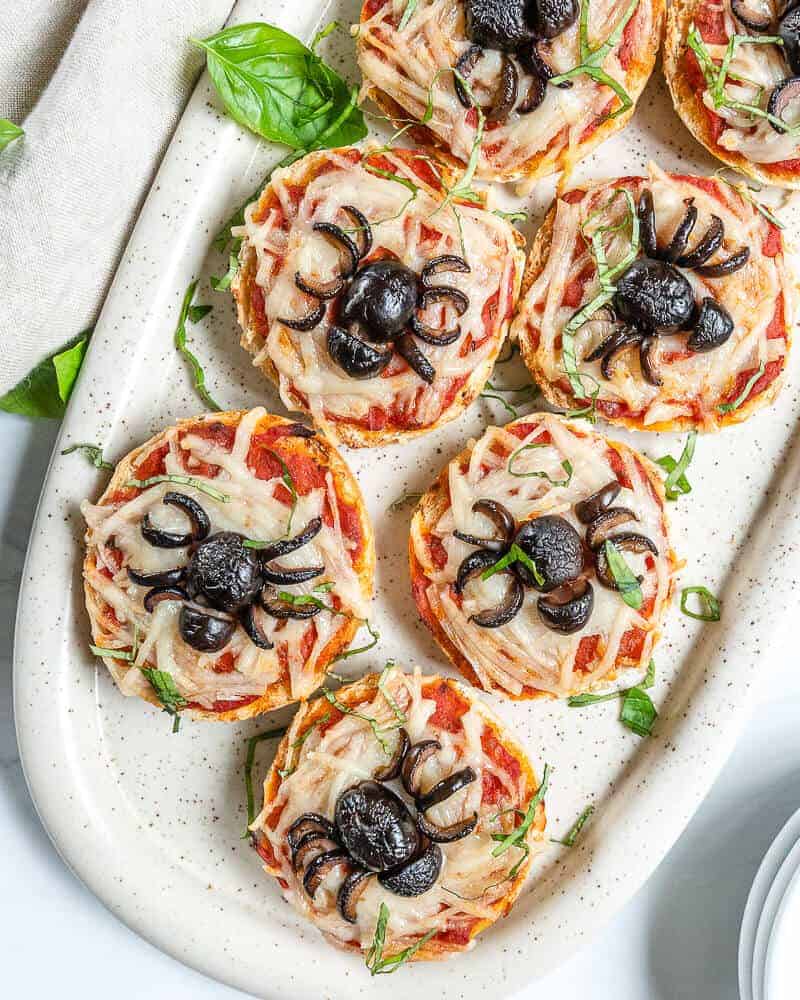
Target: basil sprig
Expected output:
[198,484]
[376,963]
[748,388]
[637,712]
[566,465]
[45,390]
[9,132]
[514,554]
[163,684]
[710,610]
[192,314]
[624,577]
[92,452]
[676,484]
[505,841]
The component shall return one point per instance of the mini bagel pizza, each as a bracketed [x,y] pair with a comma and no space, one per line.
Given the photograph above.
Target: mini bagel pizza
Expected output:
[400,801]
[541,560]
[228,561]
[664,302]
[733,69]
[377,301]
[552,79]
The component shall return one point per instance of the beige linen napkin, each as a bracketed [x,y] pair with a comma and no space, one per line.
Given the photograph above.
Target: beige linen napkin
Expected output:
[103,84]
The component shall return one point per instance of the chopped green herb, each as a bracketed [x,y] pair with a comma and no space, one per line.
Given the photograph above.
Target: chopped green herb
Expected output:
[167,693]
[519,833]
[9,132]
[518,216]
[114,654]
[650,677]
[527,391]
[252,743]
[676,484]
[566,465]
[399,714]
[376,963]
[297,744]
[198,484]
[746,192]
[377,731]
[298,600]
[709,605]
[45,390]
[408,13]
[180,344]
[288,482]
[729,407]
[347,653]
[582,700]
[404,498]
[638,712]
[626,581]
[575,830]
[514,554]
[93,452]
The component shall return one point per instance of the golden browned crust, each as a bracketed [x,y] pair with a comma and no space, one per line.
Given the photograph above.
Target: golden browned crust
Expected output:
[542,164]
[323,453]
[435,502]
[692,111]
[554,394]
[351,433]
[364,690]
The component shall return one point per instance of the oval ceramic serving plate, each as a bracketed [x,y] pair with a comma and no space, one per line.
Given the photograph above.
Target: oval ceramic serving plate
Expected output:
[152,822]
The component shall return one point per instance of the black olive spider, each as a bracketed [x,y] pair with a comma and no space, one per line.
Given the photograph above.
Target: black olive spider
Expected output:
[653,298]
[380,302]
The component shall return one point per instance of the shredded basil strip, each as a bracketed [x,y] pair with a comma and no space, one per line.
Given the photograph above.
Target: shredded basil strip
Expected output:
[650,677]
[180,344]
[629,588]
[408,13]
[676,484]
[92,452]
[114,654]
[252,743]
[167,693]
[518,833]
[514,554]
[582,700]
[347,653]
[399,714]
[297,744]
[288,482]
[566,465]
[638,712]
[528,392]
[746,192]
[518,216]
[46,389]
[198,484]
[9,132]
[376,963]
[377,732]
[709,605]
[575,830]
[405,498]
[729,407]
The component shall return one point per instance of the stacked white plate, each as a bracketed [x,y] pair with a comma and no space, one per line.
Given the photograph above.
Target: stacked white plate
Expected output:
[770,935]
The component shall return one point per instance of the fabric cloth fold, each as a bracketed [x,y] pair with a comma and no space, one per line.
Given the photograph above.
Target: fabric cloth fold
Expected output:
[120,73]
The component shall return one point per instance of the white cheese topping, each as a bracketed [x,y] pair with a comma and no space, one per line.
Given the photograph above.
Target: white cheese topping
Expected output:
[471,880]
[693,384]
[524,652]
[115,540]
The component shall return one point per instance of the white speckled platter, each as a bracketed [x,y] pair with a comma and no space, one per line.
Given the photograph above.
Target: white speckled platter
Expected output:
[151,822]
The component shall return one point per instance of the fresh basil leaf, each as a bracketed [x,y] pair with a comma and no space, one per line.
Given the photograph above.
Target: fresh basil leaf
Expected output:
[514,554]
[198,484]
[730,407]
[566,465]
[163,684]
[376,963]
[180,343]
[638,712]
[650,677]
[9,132]
[676,484]
[575,830]
[518,833]
[709,606]
[252,743]
[629,589]
[278,88]
[196,313]
[45,390]
[405,498]
[93,452]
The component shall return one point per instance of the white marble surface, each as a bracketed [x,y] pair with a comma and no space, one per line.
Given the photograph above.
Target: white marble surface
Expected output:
[676,940]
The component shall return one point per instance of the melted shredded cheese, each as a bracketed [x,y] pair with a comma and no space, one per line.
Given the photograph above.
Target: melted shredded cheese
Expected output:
[471,882]
[410,225]
[694,384]
[407,65]
[525,653]
[115,541]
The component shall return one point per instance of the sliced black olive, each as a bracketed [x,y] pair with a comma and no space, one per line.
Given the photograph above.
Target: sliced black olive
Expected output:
[364,229]
[224,571]
[508,608]
[647,362]
[277,608]
[647,223]
[159,594]
[533,96]
[381,297]
[735,262]
[445,788]
[413,763]
[505,98]
[311,845]
[465,64]
[625,543]
[444,263]
[375,826]
[713,327]
[407,348]
[654,295]
[446,834]
[680,237]
[502,26]
[502,519]
[349,255]
[283,546]
[706,246]
[554,16]
[490,545]
[320,868]
[430,335]
[305,824]
[300,431]
[609,348]
[353,356]
[605,522]
[166,578]
[567,609]
[435,293]
[784,94]
[204,630]
[392,769]
[288,577]
[201,525]
[417,876]
[476,562]
[587,510]
[163,539]
[304,323]
[322,290]
[351,891]
[556,548]
[789,31]
[756,18]
[255,633]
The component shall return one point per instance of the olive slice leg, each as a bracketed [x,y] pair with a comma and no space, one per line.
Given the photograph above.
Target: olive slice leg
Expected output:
[288,577]
[735,262]
[255,633]
[201,525]
[392,769]
[310,846]
[321,867]
[413,763]
[476,562]
[607,521]
[446,834]
[166,578]
[706,246]
[351,891]
[587,510]
[277,608]
[159,594]
[647,223]
[646,361]
[628,542]
[411,353]
[304,824]
[502,613]
[307,322]
[322,290]
[505,98]
[284,546]
[445,262]
[356,358]
[346,246]
[445,788]
[363,227]
[680,238]
[436,293]
[465,64]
